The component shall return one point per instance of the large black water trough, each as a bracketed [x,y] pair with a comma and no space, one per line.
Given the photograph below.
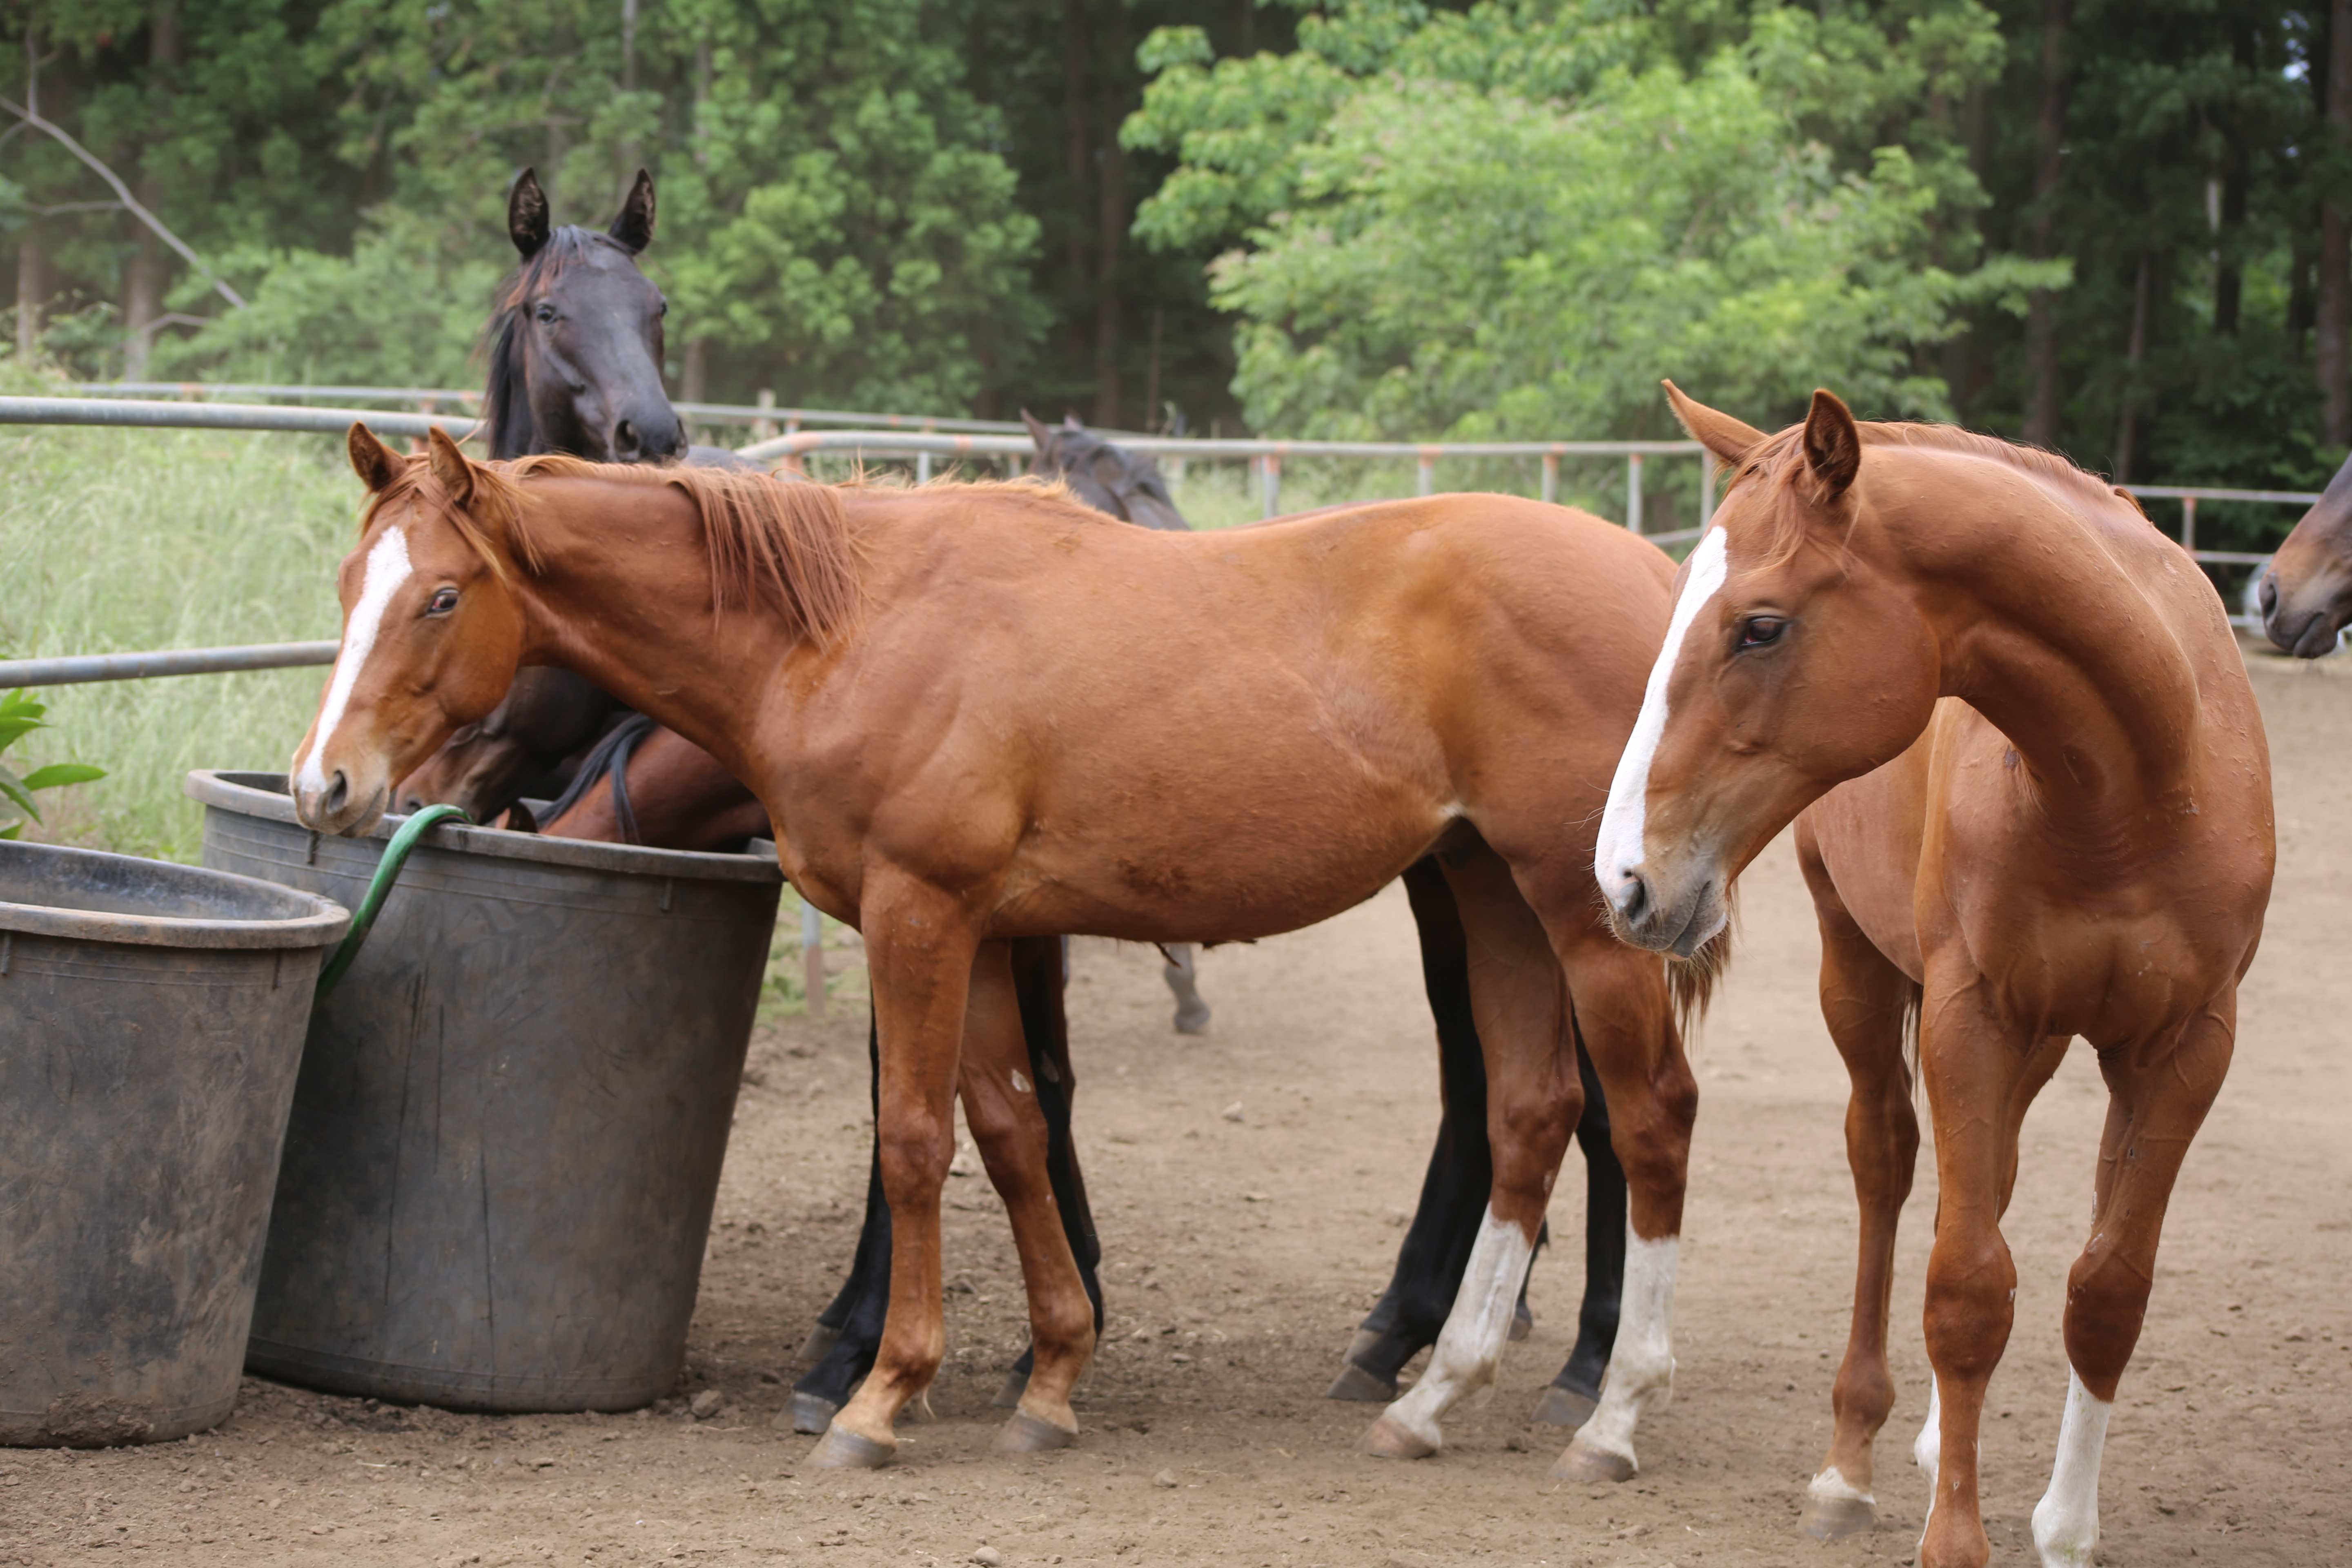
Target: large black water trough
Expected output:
[505,1140]
[151,1023]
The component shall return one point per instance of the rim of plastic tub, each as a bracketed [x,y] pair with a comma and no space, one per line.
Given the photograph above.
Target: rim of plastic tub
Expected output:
[306,919]
[265,795]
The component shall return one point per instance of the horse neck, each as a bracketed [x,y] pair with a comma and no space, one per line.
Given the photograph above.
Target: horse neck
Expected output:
[622,596]
[2051,625]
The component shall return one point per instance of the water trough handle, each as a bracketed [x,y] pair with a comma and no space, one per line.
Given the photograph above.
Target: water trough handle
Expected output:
[387,872]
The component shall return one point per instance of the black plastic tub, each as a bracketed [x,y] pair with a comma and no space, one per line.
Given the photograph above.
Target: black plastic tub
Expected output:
[150,1024]
[507,1137]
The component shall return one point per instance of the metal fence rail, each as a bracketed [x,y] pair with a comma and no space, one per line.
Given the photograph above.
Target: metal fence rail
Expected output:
[920,439]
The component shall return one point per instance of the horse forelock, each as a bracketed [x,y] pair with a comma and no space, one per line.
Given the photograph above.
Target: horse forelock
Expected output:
[492,490]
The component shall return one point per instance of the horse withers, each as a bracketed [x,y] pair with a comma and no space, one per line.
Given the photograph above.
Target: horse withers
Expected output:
[1226,736]
[2305,597]
[2032,801]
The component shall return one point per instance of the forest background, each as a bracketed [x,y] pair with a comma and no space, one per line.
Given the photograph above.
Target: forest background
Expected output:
[2118,227]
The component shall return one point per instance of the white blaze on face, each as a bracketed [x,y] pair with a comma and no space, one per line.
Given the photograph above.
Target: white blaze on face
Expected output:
[387,568]
[1619,852]
[2066,1521]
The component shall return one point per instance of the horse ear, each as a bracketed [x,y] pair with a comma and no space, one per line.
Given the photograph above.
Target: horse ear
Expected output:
[527,215]
[449,467]
[1719,432]
[1038,430]
[370,459]
[634,228]
[1832,445]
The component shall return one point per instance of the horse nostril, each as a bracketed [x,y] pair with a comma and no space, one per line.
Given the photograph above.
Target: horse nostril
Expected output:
[625,444]
[1635,900]
[2267,595]
[338,790]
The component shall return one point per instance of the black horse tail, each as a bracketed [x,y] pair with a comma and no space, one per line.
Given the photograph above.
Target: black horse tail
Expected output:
[609,756]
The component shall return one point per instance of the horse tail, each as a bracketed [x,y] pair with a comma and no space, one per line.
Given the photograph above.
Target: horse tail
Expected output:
[608,757]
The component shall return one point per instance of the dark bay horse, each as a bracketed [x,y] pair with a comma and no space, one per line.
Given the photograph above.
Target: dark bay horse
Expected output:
[2032,801]
[2307,595]
[1353,691]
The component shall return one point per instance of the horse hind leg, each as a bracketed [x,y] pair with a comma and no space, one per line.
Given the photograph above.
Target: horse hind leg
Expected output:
[1412,1311]
[1182,971]
[841,1344]
[1575,1394]
[2156,1101]
[1520,1000]
[1866,1000]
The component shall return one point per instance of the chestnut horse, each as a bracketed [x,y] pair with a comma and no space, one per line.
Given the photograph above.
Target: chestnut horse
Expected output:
[2307,595]
[2035,804]
[1224,737]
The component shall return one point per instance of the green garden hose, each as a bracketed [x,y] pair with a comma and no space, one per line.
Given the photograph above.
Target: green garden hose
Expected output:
[387,872]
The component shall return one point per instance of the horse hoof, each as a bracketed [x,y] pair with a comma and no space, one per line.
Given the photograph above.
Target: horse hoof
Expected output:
[1835,1518]
[1193,1020]
[1523,1323]
[1008,1397]
[842,1449]
[1355,1383]
[820,1340]
[807,1413]
[1564,1407]
[1387,1439]
[1585,1463]
[1025,1434]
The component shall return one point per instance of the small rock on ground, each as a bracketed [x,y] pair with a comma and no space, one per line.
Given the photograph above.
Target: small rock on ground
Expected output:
[988,1557]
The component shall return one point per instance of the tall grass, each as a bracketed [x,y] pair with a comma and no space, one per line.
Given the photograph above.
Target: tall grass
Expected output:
[116,540]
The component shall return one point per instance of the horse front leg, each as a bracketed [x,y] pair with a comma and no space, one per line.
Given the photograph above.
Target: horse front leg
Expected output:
[919,948]
[2158,1100]
[1575,1394]
[849,1330]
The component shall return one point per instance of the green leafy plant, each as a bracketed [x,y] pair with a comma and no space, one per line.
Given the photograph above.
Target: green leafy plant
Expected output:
[20,715]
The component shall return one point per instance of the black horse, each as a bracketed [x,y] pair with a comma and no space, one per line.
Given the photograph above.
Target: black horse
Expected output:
[576,366]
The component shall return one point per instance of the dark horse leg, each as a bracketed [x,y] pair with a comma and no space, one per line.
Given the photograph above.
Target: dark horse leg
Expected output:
[849,1331]
[1408,1316]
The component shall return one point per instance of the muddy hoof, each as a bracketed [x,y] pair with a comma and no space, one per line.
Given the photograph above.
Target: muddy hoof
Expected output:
[1388,1440]
[1193,1020]
[1025,1434]
[807,1413]
[821,1341]
[1835,1518]
[1017,1383]
[1354,1382]
[1523,1322]
[1585,1463]
[1564,1407]
[842,1449]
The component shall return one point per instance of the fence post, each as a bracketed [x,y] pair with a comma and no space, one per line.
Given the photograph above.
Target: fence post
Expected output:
[1272,469]
[1427,475]
[813,957]
[1551,477]
[764,430]
[1707,472]
[1634,492]
[2188,522]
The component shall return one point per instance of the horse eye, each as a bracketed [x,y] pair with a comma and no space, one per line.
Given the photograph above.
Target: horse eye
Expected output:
[661,308]
[546,312]
[1759,631]
[443,603]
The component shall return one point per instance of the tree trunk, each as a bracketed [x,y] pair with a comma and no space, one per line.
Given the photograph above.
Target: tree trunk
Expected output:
[1110,222]
[2332,309]
[28,295]
[144,284]
[1078,146]
[2229,269]
[2049,169]
[2135,351]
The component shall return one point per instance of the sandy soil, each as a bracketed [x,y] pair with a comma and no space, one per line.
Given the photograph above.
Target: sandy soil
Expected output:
[1242,1253]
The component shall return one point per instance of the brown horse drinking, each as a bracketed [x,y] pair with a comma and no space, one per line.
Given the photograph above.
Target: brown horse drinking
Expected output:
[2035,804]
[1224,736]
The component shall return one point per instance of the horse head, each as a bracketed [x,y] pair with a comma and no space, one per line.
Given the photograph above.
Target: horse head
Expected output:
[433,629]
[2307,595]
[576,355]
[1787,668]
[1108,478]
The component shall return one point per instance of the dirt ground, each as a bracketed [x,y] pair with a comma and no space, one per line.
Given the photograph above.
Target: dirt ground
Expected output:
[1242,1252]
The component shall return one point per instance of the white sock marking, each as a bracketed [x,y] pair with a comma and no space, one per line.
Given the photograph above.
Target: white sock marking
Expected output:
[1927,1448]
[1831,1486]
[1619,852]
[387,568]
[1470,1346]
[1641,1366]
[2066,1520]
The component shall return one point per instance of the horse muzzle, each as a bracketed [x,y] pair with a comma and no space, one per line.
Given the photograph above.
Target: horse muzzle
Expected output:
[331,802]
[1649,906]
[2308,617]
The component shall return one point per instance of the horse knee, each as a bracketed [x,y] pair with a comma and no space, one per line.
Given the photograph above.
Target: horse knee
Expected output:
[915,1151]
[2106,1299]
[1971,1299]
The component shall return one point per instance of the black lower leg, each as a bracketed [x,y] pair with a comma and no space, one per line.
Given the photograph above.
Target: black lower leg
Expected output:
[1605,1242]
[856,1312]
[1040,972]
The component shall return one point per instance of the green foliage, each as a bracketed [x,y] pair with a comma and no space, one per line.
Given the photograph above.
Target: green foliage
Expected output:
[1510,222]
[20,715]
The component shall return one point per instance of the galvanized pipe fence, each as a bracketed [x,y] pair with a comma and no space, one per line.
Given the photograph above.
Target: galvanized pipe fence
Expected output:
[933,440]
